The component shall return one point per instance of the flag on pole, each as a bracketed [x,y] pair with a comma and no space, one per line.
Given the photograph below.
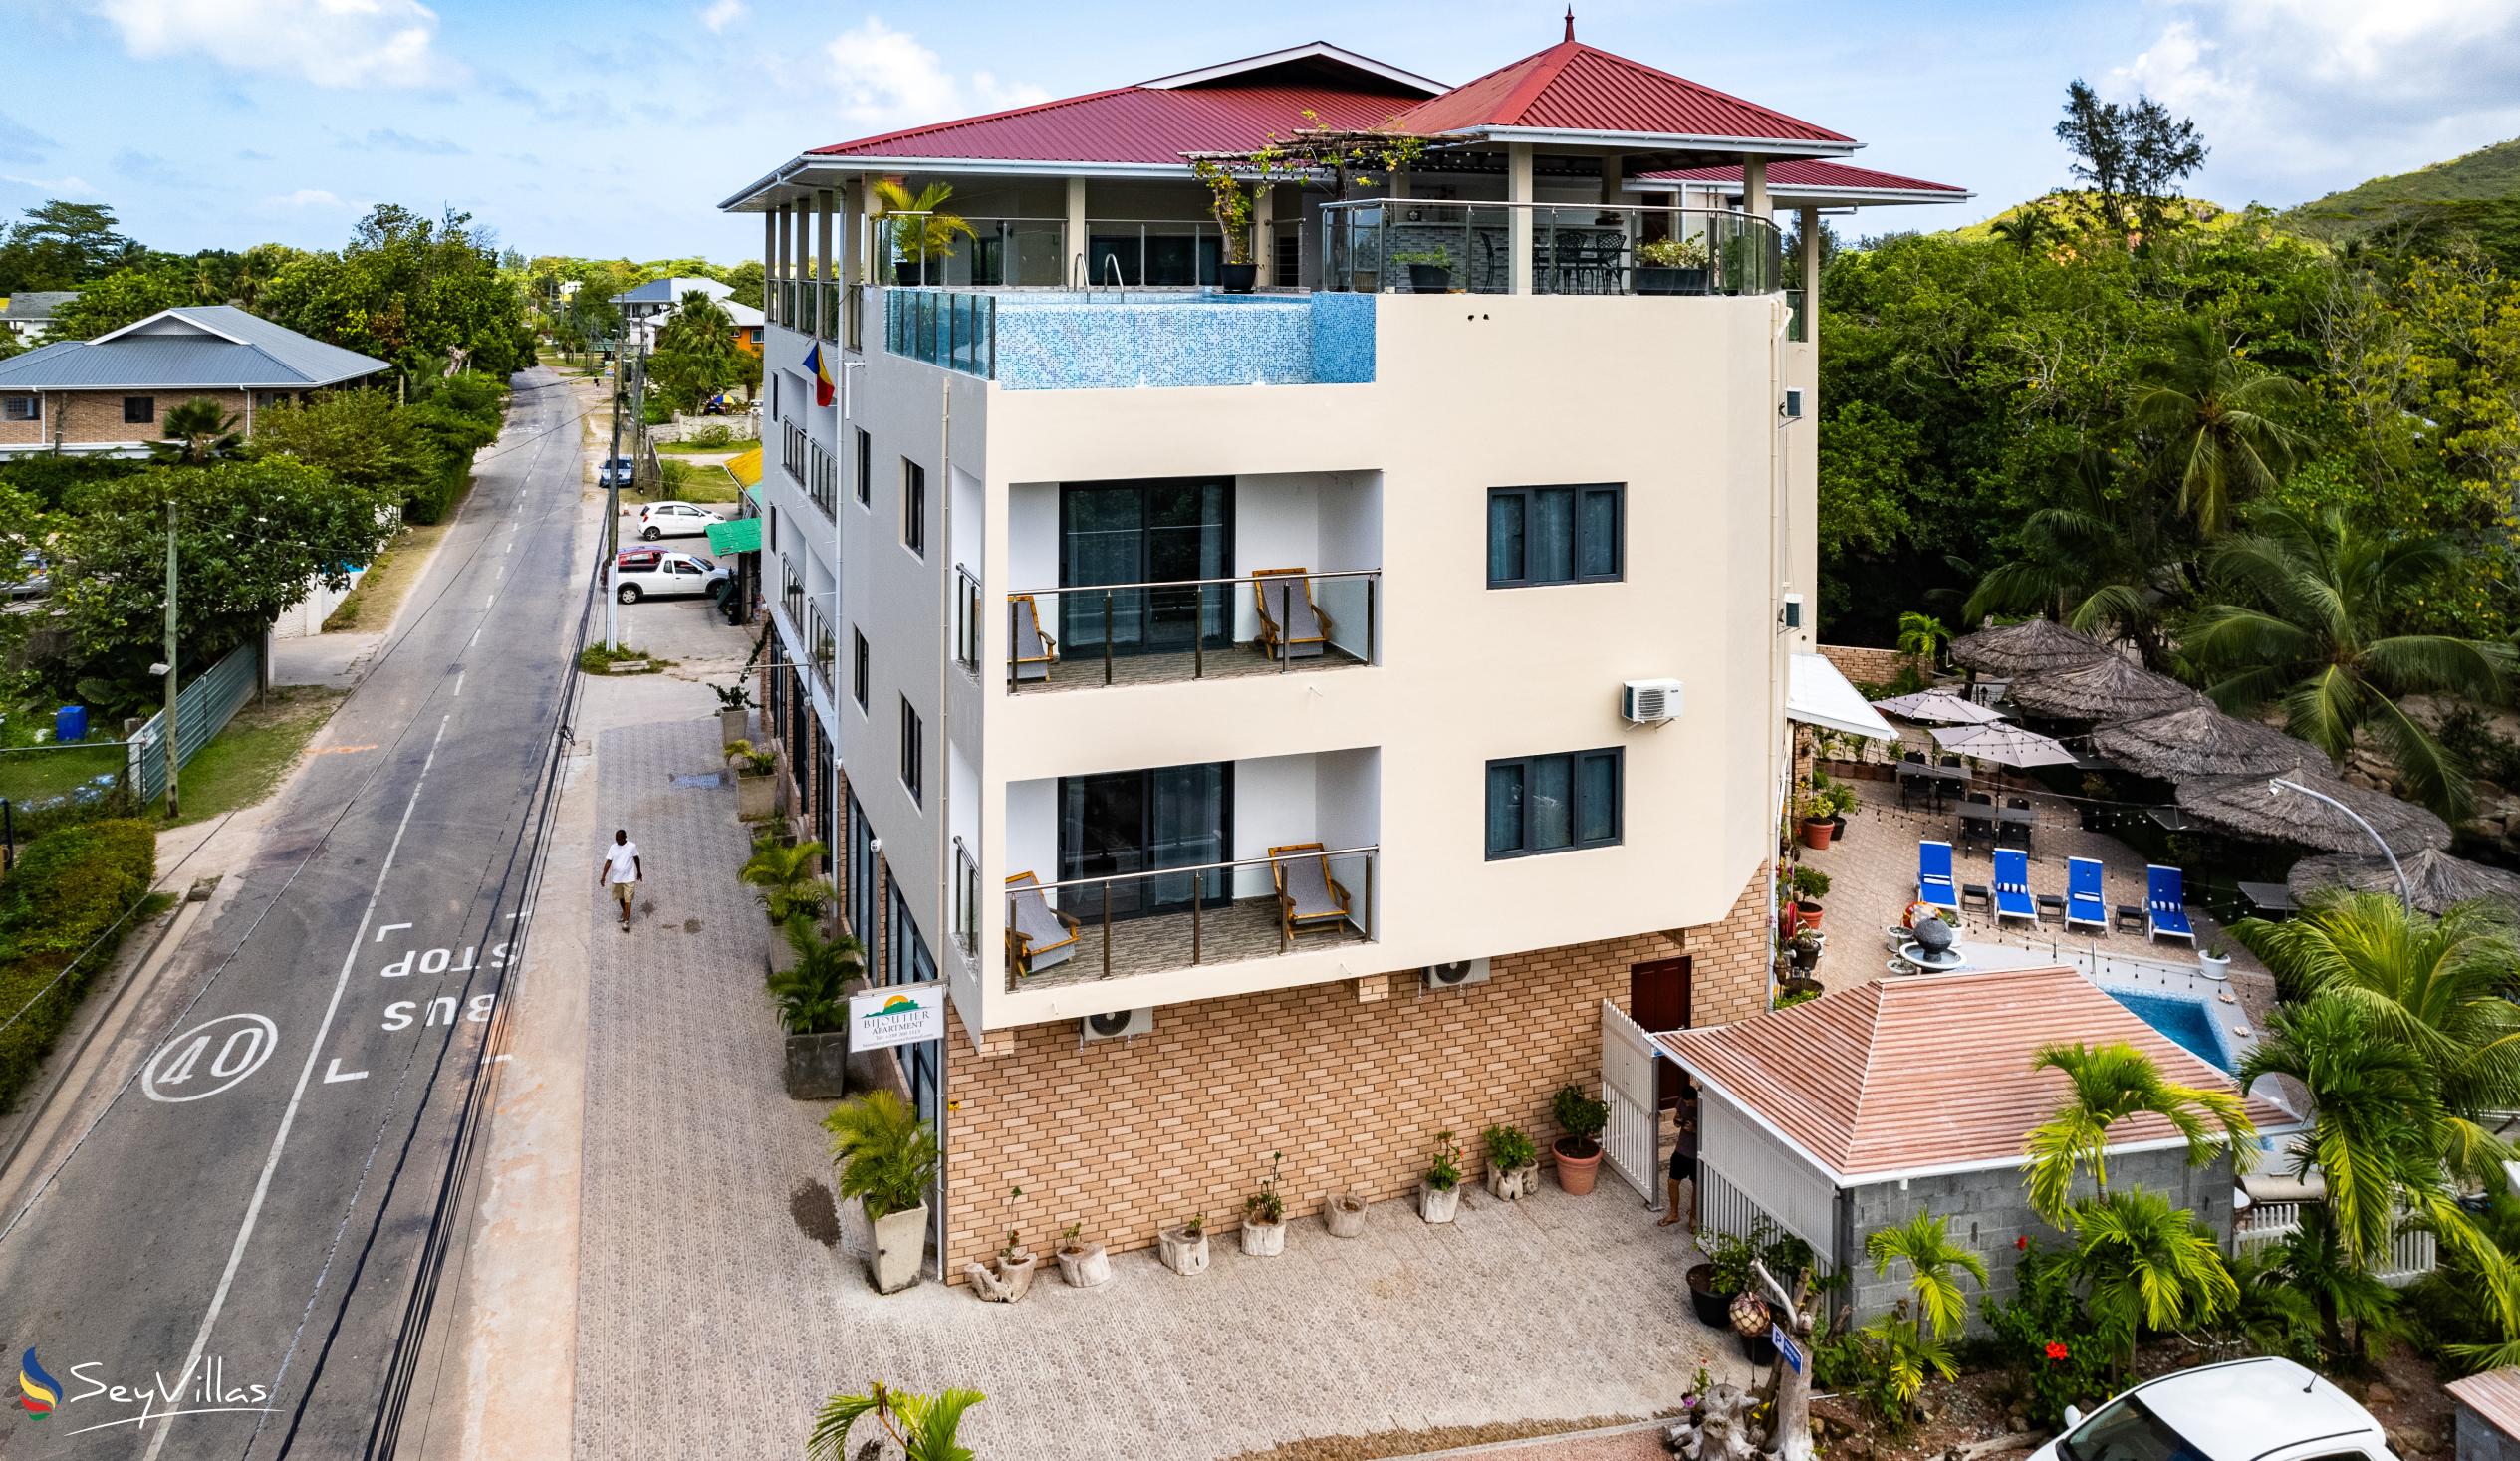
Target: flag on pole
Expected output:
[823,389]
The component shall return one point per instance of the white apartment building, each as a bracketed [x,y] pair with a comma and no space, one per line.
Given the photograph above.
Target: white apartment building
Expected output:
[1451,580]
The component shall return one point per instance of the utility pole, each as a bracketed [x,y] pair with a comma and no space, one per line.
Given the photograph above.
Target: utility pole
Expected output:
[171,758]
[612,515]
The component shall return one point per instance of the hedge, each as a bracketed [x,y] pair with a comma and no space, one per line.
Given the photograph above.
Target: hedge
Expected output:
[461,414]
[68,889]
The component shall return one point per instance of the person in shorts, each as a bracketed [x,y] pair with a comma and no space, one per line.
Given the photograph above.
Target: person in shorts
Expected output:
[621,871]
[1683,1161]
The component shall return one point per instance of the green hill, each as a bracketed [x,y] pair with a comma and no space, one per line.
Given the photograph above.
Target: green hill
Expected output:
[2477,196]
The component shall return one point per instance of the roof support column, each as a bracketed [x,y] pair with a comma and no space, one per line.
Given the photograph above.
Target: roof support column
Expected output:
[825,308]
[1613,174]
[1810,218]
[852,237]
[1264,230]
[1077,254]
[1754,188]
[1518,192]
[769,262]
[787,235]
[877,249]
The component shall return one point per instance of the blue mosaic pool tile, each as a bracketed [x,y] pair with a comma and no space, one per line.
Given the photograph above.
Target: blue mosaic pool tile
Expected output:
[1063,342]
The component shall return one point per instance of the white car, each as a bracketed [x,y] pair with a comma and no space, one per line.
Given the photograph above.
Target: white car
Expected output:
[2243,1410]
[662,572]
[674,520]
[617,471]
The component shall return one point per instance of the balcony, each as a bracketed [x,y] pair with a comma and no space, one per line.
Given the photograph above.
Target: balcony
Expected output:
[1404,245]
[1191,629]
[1121,339]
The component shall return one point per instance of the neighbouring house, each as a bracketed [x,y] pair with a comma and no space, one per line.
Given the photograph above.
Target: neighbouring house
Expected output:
[1854,1112]
[644,308]
[2486,1417]
[107,396]
[1287,722]
[29,312]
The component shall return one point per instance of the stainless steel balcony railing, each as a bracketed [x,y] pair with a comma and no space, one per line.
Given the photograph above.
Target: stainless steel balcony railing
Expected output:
[1404,245]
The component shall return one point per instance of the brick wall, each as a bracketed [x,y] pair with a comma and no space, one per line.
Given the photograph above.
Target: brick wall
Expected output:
[20,432]
[1350,1080]
[1863,664]
[96,415]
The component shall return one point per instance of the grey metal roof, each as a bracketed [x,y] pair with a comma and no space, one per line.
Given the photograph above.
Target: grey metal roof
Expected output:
[670,290]
[34,306]
[197,347]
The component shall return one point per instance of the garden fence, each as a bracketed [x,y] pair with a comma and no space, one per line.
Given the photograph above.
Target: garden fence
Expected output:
[202,709]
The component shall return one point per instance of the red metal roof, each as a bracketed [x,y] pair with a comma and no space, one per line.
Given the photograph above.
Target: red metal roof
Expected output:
[1572,87]
[1135,125]
[1811,176]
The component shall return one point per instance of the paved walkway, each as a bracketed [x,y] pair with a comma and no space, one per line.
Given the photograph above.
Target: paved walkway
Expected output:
[711,1327]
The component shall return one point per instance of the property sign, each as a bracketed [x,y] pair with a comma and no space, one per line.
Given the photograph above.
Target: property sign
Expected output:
[898,1014]
[1786,1354]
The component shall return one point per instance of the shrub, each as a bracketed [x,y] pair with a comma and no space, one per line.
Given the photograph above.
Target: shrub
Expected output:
[1581,1117]
[885,1153]
[813,994]
[711,436]
[66,892]
[2058,1354]
[1508,1148]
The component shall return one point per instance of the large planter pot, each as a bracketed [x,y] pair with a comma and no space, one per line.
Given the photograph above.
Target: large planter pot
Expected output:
[1512,1184]
[1084,1266]
[1439,1205]
[1759,1348]
[1817,831]
[1577,1171]
[1005,1279]
[1237,278]
[1807,914]
[1182,1252]
[733,726]
[2215,966]
[911,272]
[756,796]
[1264,1239]
[1344,1215]
[900,1249]
[818,1065]
[1429,279]
[1662,278]
[1712,1309]
[1838,828]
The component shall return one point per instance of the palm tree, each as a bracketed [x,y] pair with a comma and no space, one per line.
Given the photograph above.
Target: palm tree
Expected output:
[2110,1082]
[2208,408]
[1932,1259]
[923,1427]
[2102,560]
[811,993]
[2356,1313]
[1921,636]
[885,1154]
[2025,228]
[928,235]
[198,431]
[2311,623]
[2148,1265]
[785,873]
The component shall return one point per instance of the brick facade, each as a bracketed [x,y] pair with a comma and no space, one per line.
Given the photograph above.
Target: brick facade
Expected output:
[1350,1080]
[88,417]
[1865,665]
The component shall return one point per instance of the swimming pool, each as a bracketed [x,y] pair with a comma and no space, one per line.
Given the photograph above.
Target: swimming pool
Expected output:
[2185,1020]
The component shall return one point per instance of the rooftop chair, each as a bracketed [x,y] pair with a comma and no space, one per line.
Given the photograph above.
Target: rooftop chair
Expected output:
[1934,887]
[2012,886]
[1291,625]
[1031,651]
[2166,905]
[1037,934]
[2084,906]
[1308,896]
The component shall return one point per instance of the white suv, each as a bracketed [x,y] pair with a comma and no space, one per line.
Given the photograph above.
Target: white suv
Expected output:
[674,520]
[2243,1410]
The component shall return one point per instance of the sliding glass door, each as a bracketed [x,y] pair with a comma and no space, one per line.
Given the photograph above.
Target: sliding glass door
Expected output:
[1161,531]
[1138,822]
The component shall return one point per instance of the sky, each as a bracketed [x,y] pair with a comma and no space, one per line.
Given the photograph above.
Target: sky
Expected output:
[614,128]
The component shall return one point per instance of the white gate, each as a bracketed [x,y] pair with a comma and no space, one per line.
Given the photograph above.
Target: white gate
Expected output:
[1631,1145]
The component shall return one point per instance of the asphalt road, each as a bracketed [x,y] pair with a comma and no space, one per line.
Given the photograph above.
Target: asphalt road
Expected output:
[237,1236]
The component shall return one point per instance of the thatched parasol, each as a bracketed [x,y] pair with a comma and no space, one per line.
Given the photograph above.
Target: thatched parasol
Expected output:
[2439,879]
[2108,689]
[1938,707]
[2243,805]
[2005,745]
[2028,647]
[2198,741]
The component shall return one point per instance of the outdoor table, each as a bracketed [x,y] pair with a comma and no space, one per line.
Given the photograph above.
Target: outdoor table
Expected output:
[2270,897]
[2051,903]
[2130,916]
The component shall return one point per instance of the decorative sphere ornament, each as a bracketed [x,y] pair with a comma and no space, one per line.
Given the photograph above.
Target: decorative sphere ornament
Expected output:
[1749,1314]
[1936,935]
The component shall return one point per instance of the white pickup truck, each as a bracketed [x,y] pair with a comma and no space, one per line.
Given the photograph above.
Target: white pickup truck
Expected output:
[2241,1411]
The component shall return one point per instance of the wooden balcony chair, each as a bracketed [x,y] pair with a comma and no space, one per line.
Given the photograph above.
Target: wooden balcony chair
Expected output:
[1031,651]
[1291,624]
[1037,934]
[1308,896]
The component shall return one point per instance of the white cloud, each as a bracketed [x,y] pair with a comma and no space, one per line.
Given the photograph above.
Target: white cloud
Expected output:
[306,197]
[723,14]
[885,79]
[332,43]
[59,187]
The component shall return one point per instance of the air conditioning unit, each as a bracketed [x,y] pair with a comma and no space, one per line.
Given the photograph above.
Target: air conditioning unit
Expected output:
[1116,1023]
[1456,974]
[1792,409]
[1650,702]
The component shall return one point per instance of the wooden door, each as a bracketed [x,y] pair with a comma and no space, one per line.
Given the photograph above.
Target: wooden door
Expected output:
[1658,1000]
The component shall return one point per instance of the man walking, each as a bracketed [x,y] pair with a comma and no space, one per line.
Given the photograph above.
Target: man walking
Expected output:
[622,871]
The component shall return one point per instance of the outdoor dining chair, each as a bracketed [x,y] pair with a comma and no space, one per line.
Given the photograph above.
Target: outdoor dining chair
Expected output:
[1037,934]
[1292,626]
[1308,896]
[1935,885]
[2166,905]
[2085,906]
[2012,886]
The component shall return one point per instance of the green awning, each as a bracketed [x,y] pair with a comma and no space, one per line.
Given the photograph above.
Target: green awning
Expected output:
[736,535]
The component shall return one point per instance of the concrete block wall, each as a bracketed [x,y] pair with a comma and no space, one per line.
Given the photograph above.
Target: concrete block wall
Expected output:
[1866,665]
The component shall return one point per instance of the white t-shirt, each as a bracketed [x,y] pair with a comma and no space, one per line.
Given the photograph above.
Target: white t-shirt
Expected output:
[621,862]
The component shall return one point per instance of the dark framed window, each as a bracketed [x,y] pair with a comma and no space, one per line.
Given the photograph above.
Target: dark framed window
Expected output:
[22,408]
[866,466]
[857,675]
[1553,804]
[913,753]
[139,411]
[914,507]
[860,890]
[774,529]
[1556,535]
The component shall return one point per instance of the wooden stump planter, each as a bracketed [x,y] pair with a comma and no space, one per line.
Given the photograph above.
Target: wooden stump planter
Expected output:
[1083,1264]
[1344,1215]
[1005,1279]
[1512,1184]
[1263,1240]
[1438,1204]
[1182,1249]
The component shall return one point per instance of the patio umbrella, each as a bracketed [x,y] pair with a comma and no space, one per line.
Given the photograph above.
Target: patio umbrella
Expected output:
[2111,687]
[2006,745]
[2438,878]
[2025,648]
[1938,707]
[2242,806]
[2196,741]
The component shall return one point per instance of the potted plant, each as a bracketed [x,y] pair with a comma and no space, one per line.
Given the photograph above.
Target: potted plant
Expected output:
[812,996]
[1008,1277]
[756,794]
[1671,266]
[1231,207]
[927,233]
[1808,885]
[733,701]
[1083,1264]
[785,873]
[1712,1283]
[1184,1249]
[1819,814]
[1429,270]
[2215,961]
[886,1160]
[1344,1214]
[1513,1162]
[1803,951]
[1264,1216]
[1579,1152]
[1439,1191]
[1843,798]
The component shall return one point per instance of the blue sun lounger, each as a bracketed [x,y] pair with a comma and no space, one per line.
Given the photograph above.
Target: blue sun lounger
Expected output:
[2166,905]
[2083,904]
[1934,887]
[2012,886]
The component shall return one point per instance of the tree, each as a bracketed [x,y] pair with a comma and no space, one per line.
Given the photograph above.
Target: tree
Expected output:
[2101,561]
[695,356]
[885,1154]
[198,431]
[60,245]
[931,233]
[357,437]
[1933,1265]
[425,293]
[117,300]
[2109,1084]
[2207,409]
[1922,637]
[2148,1265]
[2355,1313]
[2309,621]
[2133,156]
[923,1427]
